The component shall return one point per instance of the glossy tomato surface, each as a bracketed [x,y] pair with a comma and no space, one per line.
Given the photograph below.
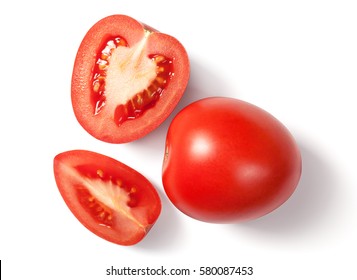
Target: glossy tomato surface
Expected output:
[127,79]
[109,198]
[228,161]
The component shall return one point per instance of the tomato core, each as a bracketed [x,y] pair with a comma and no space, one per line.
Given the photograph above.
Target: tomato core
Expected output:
[102,195]
[101,213]
[151,73]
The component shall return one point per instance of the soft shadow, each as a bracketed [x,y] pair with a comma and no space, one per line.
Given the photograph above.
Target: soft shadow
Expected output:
[166,232]
[309,208]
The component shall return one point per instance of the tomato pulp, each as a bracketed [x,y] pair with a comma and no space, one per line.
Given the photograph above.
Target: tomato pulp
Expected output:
[108,197]
[227,161]
[127,79]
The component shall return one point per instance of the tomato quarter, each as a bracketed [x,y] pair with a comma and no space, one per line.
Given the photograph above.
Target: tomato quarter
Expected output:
[109,198]
[127,79]
[227,161]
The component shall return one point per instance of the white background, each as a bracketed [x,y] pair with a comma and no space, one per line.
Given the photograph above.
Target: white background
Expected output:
[295,59]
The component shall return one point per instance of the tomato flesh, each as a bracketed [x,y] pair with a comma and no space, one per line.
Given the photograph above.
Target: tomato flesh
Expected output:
[109,198]
[136,105]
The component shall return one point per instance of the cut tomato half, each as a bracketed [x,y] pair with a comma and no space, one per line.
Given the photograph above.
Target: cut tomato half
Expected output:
[127,79]
[108,197]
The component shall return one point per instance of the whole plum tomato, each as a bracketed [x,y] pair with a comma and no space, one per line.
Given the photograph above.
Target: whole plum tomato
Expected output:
[228,161]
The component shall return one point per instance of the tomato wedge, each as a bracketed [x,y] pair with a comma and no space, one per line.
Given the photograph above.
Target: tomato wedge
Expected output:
[127,79]
[108,197]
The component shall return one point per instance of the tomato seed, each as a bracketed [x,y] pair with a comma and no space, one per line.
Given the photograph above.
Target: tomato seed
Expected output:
[100,173]
[158,58]
[104,55]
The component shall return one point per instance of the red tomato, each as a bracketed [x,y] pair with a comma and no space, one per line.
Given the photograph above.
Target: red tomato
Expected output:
[227,161]
[127,79]
[109,198]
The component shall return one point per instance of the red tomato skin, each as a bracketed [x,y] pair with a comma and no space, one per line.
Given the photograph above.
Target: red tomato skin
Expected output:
[68,181]
[228,161]
[103,126]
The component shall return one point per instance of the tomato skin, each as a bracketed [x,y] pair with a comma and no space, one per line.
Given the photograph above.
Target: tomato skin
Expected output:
[228,161]
[79,173]
[104,126]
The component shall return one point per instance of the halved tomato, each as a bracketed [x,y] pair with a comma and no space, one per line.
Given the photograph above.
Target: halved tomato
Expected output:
[127,79]
[108,197]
